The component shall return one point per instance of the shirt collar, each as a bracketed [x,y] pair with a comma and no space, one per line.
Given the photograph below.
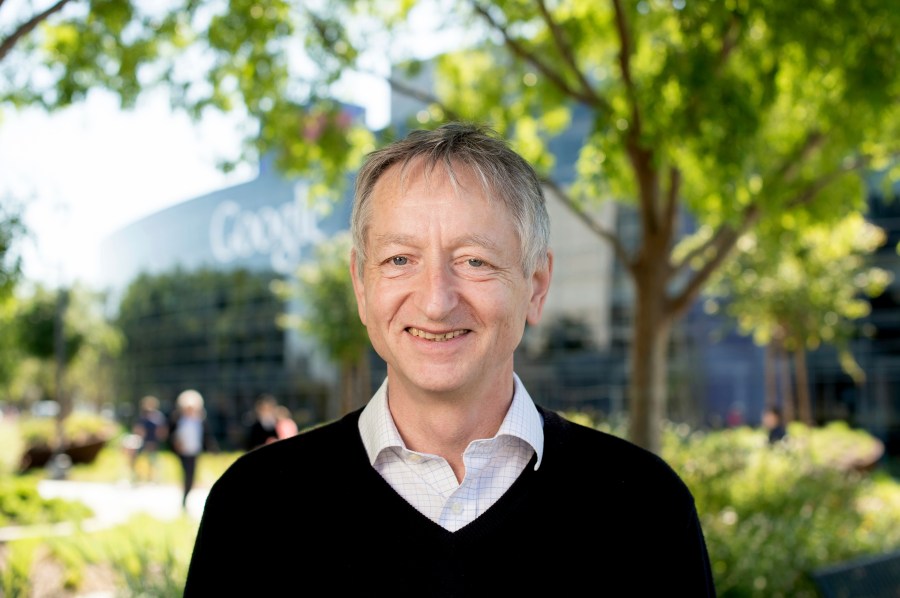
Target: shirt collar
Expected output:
[378,431]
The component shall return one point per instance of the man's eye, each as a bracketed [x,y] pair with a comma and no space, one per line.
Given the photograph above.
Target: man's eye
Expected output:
[475,263]
[399,260]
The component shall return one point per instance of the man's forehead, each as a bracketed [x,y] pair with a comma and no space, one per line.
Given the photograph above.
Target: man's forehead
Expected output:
[434,173]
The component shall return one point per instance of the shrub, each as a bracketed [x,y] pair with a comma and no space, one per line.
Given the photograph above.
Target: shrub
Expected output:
[143,557]
[773,514]
[79,427]
[22,504]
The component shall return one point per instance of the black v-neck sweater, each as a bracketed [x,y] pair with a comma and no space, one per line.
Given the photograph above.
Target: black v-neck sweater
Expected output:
[310,516]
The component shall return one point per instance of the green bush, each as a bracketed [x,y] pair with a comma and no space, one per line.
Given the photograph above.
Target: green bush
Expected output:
[773,514]
[79,427]
[144,557]
[22,504]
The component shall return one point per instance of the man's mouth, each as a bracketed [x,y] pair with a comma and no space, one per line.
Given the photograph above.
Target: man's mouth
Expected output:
[430,336]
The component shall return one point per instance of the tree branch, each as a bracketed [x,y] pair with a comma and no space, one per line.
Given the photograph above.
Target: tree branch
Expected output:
[729,41]
[568,55]
[520,51]
[589,221]
[789,170]
[27,27]
[808,194]
[648,192]
[722,243]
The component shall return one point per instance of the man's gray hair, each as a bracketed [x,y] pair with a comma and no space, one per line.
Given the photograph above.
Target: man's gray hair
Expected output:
[504,175]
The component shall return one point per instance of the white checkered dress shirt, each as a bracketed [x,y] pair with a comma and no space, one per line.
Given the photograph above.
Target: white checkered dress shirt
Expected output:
[428,483]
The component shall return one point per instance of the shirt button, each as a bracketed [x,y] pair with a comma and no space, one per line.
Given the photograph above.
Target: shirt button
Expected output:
[456,508]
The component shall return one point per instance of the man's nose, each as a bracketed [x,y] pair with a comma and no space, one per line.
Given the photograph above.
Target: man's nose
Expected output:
[439,293]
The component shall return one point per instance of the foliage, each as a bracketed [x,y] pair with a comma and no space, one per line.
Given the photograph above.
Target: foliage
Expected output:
[22,504]
[79,427]
[91,345]
[18,563]
[804,288]
[39,318]
[11,445]
[83,426]
[325,291]
[145,557]
[796,506]
[12,233]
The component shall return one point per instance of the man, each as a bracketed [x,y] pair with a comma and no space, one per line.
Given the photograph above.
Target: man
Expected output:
[450,481]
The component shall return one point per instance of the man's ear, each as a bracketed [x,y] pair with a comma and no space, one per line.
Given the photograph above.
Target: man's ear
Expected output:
[358,288]
[540,286]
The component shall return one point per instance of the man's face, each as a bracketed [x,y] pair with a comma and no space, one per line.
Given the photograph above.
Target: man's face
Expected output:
[442,292]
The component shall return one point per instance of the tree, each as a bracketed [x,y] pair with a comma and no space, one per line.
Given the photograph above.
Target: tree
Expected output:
[794,293]
[62,347]
[739,114]
[328,314]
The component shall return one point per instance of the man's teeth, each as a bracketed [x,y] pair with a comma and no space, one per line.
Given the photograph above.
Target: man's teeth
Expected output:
[435,337]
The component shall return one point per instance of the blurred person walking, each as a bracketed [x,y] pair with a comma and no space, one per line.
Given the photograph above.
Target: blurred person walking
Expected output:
[189,436]
[150,431]
[262,427]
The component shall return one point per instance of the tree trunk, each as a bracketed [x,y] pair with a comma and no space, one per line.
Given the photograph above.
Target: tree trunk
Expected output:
[649,364]
[770,366]
[787,395]
[802,382]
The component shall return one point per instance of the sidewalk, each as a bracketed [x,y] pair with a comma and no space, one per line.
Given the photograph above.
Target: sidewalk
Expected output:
[112,503]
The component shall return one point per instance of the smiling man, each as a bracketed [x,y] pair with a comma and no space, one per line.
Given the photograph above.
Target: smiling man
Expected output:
[452,480]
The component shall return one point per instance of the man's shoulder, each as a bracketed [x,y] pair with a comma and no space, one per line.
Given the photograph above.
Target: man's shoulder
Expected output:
[320,448]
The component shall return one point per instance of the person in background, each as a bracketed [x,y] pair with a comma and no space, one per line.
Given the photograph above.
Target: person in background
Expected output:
[451,480]
[285,426]
[150,430]
[262,428]
[189,436]
[773,423]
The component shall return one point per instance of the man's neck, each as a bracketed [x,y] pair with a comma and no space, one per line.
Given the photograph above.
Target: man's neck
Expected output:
[445,425]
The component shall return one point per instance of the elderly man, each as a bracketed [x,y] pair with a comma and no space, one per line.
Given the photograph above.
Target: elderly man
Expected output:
[451,481]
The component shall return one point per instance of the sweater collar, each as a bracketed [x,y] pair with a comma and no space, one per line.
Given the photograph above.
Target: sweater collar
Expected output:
[522,420]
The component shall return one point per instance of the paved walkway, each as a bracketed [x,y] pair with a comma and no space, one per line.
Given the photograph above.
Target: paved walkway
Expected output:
[113,504]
